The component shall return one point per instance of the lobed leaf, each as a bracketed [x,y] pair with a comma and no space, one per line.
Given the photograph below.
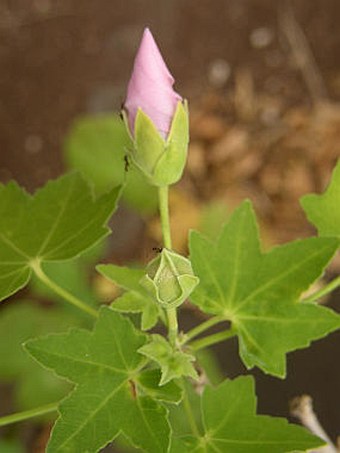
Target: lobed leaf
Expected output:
[110,396]
[230,425]
[259,292]
[57,223]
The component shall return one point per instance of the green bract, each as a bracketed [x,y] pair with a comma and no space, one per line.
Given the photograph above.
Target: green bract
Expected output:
[161,161]
[170,279]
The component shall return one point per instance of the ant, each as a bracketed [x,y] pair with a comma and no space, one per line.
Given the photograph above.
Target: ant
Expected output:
[157,249]
[122,107]
[126,162]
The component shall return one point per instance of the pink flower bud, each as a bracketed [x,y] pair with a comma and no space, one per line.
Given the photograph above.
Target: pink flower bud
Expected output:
[150,87]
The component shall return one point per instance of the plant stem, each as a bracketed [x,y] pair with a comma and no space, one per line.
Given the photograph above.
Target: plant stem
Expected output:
[202,327]
[36,266]
[25,415]
[212,339]
[163,193]
[331,286]
[172,325]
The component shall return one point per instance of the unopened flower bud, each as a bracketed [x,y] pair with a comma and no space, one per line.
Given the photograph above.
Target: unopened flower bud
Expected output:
[156,117]
[169,279]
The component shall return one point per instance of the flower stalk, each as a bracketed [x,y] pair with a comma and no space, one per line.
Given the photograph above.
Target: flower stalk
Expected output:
[171,312]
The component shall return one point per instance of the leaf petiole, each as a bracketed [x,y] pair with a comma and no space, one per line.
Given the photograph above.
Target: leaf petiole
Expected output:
[331,286]
[212,339]
[202,327]
[36,267]
[25,415]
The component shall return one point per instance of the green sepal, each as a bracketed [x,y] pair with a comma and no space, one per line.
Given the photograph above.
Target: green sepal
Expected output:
[148,144]
[169,279]
[174,363]
[171,164]
[161,161]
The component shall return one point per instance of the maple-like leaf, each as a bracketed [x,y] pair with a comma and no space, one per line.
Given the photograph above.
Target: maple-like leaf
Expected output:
[57,223]
[230,425]
[259,292]
[112,393]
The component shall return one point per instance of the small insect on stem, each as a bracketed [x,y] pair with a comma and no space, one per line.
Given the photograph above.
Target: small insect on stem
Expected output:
[133,389]
[126,162]
[121,111]
[157,249]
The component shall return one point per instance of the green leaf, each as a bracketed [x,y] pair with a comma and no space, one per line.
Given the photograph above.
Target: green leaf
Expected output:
[136,299]
[174,364]
[107,400]
[34,386]
[231,425]
[59,222]
[323,211]
[96,146]
[131,302]
[259,292]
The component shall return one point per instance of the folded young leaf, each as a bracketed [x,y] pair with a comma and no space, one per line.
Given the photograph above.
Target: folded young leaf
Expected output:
[109,397]
[136,299]
[174,364]
[230,424]
[323,211]
[259,292]
[58,222]
[131,302]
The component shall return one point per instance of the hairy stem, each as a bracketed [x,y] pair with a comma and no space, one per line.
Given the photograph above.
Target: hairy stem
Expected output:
[331,286]
[36,266]
[212,339]
[25,415]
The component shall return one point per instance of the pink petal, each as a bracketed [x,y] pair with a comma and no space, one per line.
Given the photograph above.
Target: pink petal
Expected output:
[150,87]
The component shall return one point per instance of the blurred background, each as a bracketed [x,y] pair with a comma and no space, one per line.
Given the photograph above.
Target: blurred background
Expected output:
[263,83]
